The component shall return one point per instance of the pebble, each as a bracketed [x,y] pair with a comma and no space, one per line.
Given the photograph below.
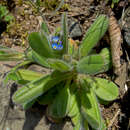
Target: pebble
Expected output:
[75,30]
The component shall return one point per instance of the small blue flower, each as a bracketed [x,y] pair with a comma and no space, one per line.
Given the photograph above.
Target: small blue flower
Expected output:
[56,43]
[54,46]
[55,39]
[60,47]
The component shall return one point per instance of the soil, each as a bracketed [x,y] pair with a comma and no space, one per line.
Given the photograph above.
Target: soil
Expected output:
[27,20]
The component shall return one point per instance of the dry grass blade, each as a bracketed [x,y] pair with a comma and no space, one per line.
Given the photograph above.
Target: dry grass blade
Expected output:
[116,40]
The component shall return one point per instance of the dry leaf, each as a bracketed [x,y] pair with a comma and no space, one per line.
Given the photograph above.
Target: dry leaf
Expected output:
[116,40]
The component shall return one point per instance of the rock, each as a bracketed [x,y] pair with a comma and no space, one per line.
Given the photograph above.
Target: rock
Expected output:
[127,38]
[75,30]
[126,26]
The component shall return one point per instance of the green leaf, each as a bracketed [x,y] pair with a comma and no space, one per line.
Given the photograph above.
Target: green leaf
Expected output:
[89,106]
[38,87]
[93,35]
[28,105]
[48,97]
[106,55]
[58,65]
[45,28]
[7,54]
[11,57]
[34,57]
[93,64]
[8,18]
[65,34]
[28,75]
[3,11]
[105,89]
[73,108]
[40,60]
[12,75]
[80,123]
[60,105]
[40,44]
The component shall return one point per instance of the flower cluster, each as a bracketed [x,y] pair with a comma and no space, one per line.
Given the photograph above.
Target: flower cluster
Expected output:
[56,43]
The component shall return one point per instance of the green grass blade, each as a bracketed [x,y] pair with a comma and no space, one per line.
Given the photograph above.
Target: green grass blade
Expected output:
[93,35]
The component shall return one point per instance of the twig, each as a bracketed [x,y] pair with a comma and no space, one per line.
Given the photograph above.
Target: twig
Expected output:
[113,120]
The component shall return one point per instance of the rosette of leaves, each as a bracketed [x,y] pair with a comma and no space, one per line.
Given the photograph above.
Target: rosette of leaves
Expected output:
[71,88]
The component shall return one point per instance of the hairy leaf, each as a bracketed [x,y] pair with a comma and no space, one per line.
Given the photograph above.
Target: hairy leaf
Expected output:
[89,106]
[106,55]
[105,89]
[45,28]
[11,56]
[28,105]
[60,105]
[48,97]
[93,35]
[79,122]
[74,107]
[40,60]
[40,44]
[28,75]
[94,64]
[58,65]
[38,87]
[65,34]
[12,76]
[23,76]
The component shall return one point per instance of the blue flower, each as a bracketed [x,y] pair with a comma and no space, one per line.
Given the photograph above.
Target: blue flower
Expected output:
[54,46]
[56,43]
[60,47]
[55,39]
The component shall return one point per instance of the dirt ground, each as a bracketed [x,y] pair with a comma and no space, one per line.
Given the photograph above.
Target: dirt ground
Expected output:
[27,20]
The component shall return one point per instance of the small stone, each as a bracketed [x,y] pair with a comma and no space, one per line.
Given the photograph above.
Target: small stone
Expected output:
[127,38]
[75,30]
